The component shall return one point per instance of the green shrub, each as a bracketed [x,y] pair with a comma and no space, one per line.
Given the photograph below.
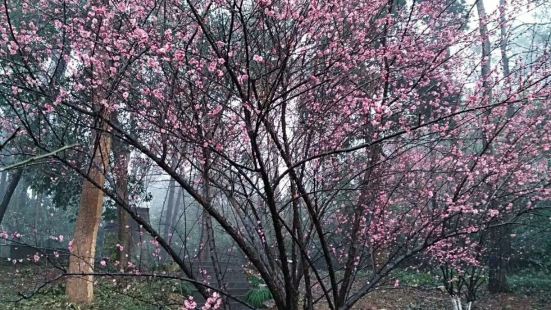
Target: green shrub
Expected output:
[259,293]
[530,282]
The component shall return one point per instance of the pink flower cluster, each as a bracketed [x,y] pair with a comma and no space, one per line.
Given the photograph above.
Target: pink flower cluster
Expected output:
[214,302]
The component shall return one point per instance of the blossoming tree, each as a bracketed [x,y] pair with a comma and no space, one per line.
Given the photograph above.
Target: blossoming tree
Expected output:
[330,141]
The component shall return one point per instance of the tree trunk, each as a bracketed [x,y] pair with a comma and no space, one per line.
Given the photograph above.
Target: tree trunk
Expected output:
[170,207]
[80,289]
[121,154]
[207,237]
[12,185]
[486,62]
[500,246]
[503,46]
[36,208]
[207,246]
[503,40]
[176,209]
[499,258]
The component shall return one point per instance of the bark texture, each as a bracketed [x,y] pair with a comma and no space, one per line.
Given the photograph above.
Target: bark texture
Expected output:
[80,288]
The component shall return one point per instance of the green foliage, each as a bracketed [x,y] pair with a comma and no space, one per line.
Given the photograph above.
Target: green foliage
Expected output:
[532,242]
[259,293]
[417,278]
[128,294]
[109,247]
[49,299]
[256,297]
[529,283]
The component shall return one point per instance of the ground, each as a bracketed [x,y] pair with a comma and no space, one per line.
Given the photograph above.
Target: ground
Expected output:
[422,299]
[530,292]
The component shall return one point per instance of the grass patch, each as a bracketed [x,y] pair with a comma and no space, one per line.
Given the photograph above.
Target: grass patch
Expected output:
[530,283]
[131,294]
[417,278]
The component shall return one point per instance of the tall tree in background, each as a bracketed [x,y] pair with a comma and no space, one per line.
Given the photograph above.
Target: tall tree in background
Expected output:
[7,194]
[500,238]
[121,155]
[170,205]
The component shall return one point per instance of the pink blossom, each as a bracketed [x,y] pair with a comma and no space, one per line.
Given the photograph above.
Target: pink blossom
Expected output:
[264,3]
[189,304]
[141,35]
[214,302]
[212,66]
[397,283]
[216,110]
[179,56]
[242,78]
[258,58]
